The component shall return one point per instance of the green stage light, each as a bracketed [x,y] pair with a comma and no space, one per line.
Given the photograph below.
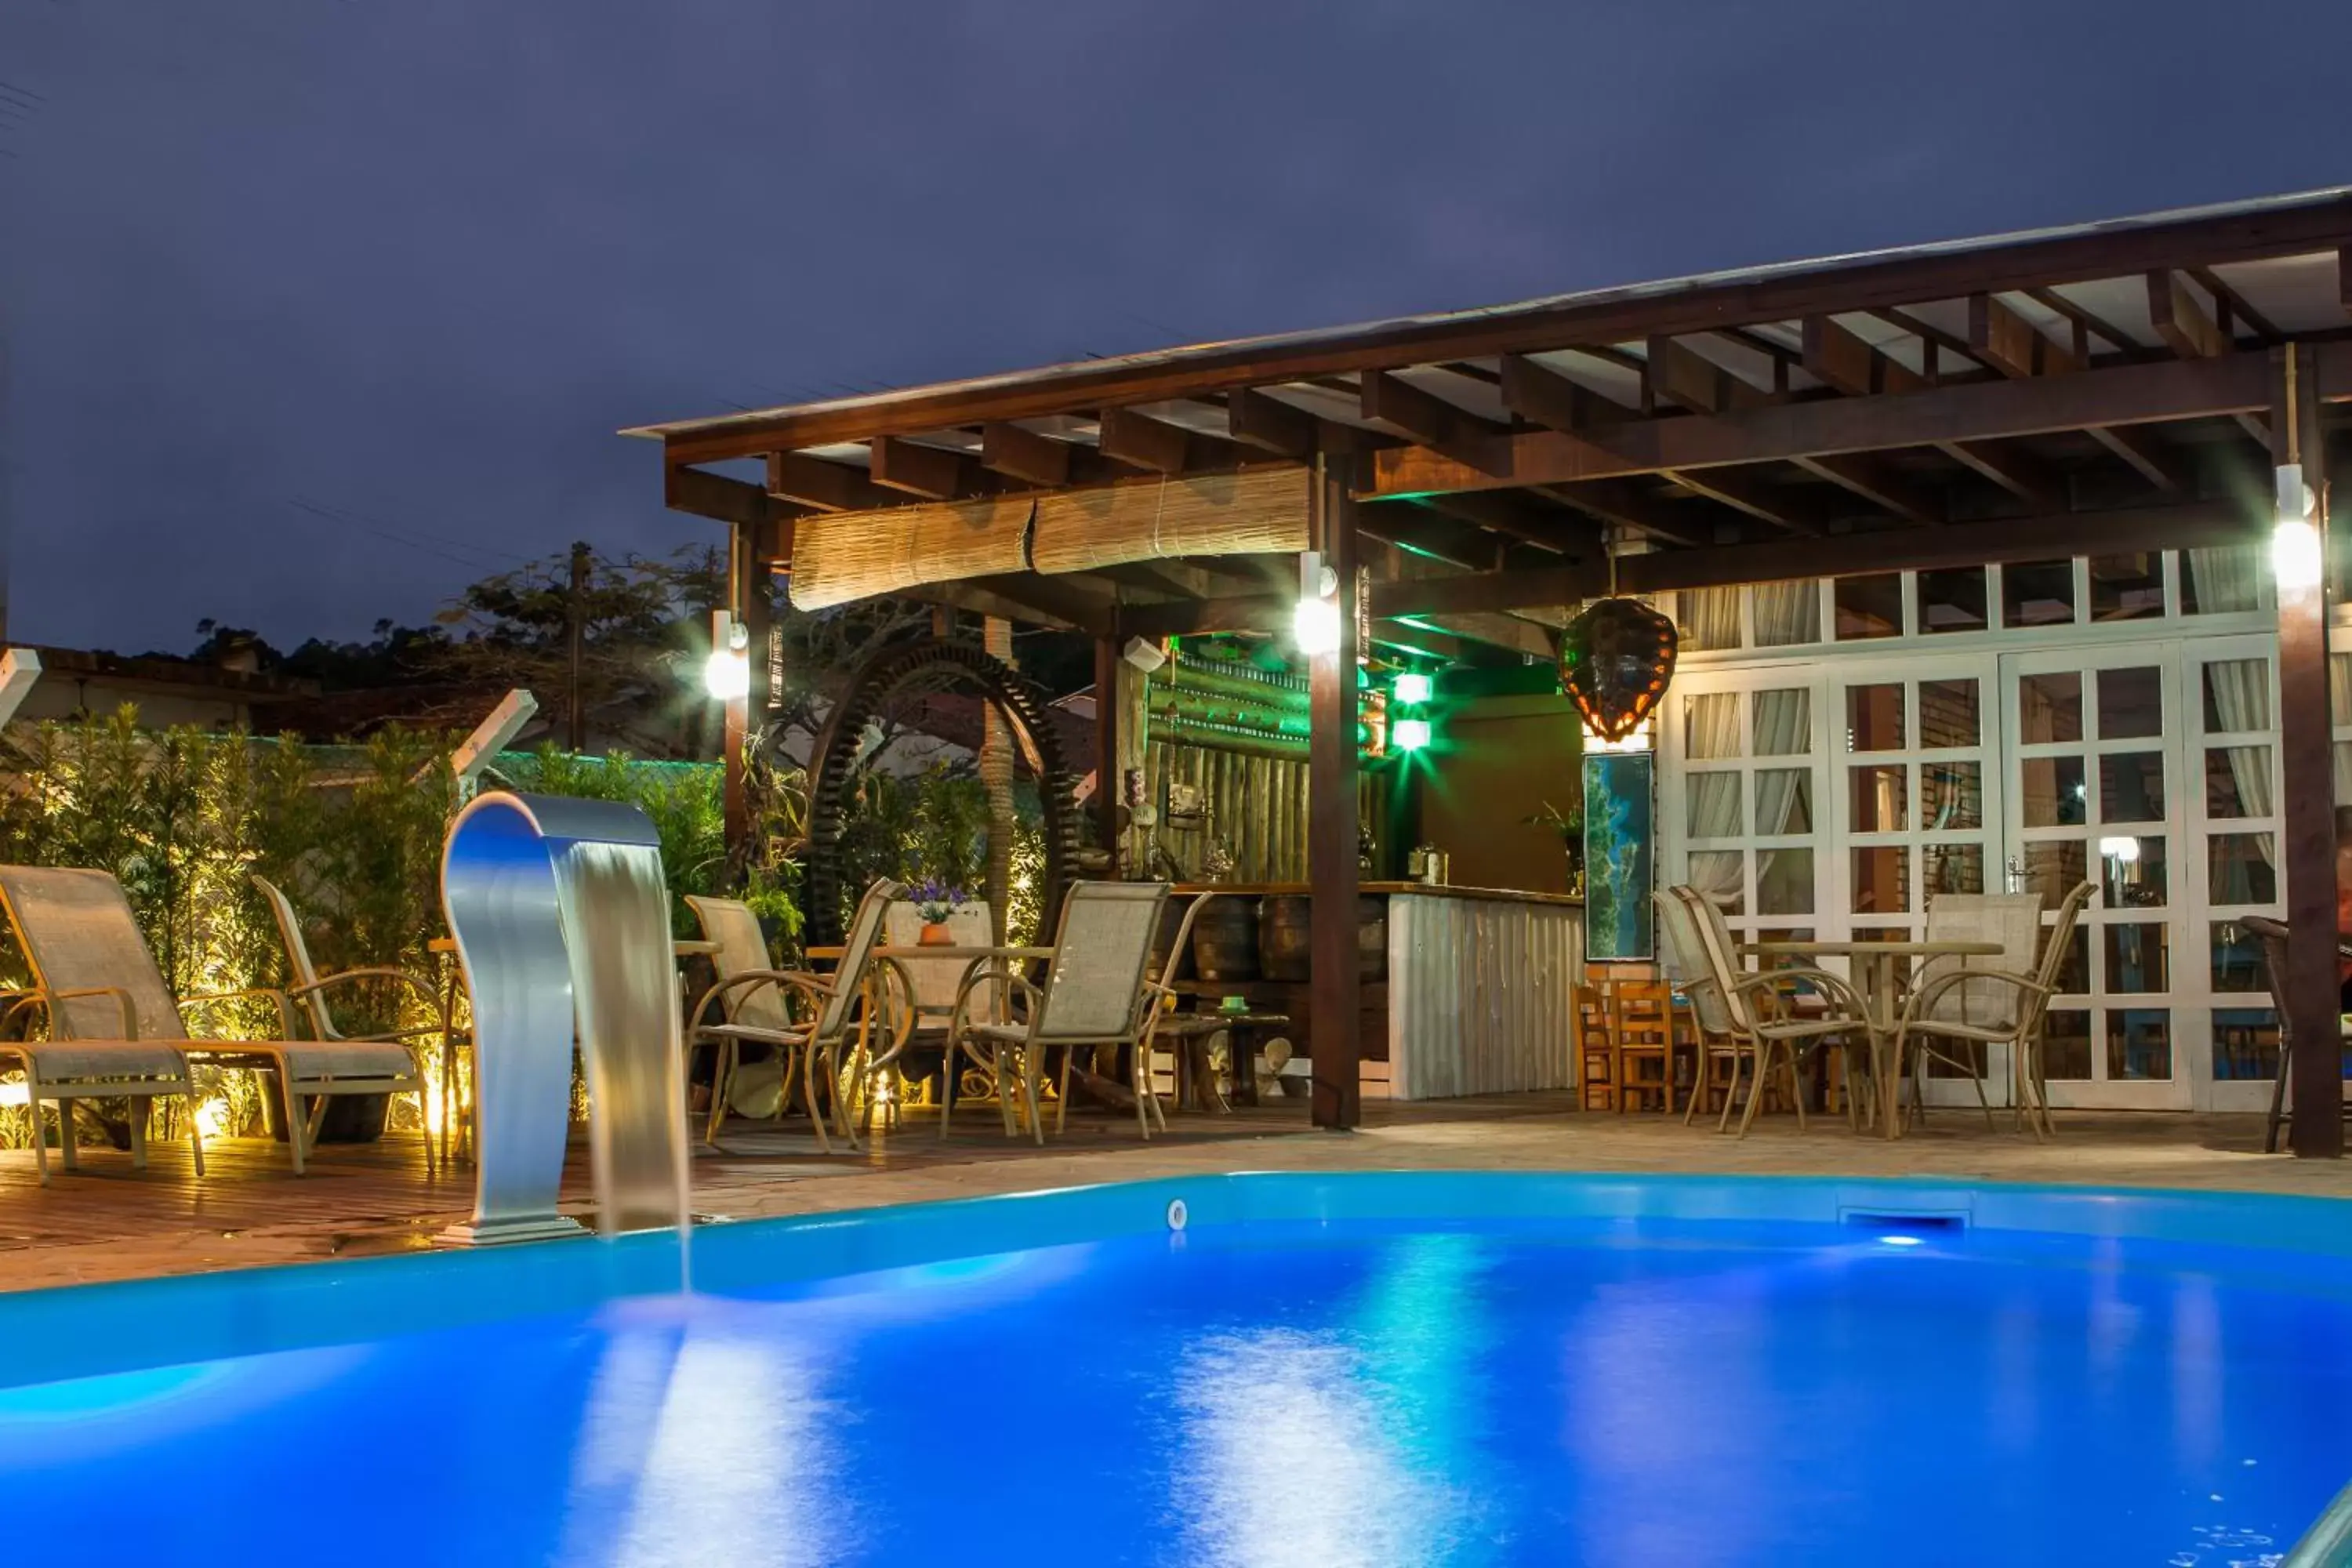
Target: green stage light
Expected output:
[1409,734]
[1412,689]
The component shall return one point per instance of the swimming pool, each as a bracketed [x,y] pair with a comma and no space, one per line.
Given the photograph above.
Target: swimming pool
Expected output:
[1475,1369]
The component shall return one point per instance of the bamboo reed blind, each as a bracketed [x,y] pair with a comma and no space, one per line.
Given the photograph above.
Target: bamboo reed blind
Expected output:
[850,555]
[1254,511]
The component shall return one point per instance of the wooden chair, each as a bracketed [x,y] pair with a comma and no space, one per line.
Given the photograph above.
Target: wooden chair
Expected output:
[1597,1074]
[2271,935]
[1641,1021]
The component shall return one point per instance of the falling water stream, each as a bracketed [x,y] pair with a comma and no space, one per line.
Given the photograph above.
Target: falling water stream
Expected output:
[561,916]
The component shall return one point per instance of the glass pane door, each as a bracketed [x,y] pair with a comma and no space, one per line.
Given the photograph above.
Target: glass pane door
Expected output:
[2096,781]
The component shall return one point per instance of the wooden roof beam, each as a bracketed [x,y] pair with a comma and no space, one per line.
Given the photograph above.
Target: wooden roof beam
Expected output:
[1025,455]
[1680,375]
[1260,421]
[2231,305]
[2178,526]
[826,485]
[1542,395]
[1531,522]
[1155,444]
[2147,456]
[1868,478]
[1745,491]
[2019,473]
[934,473]
[1500,630]
[1423,418]
[1838,357]
[1630,505]
[1419,529]
[2151,393]
[2011,345]
[2191,333]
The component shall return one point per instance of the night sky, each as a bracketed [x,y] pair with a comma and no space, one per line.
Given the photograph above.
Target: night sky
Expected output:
[315,310]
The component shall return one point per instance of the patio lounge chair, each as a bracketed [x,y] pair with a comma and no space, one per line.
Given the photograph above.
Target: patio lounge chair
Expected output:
[2000,1007]
[94,977]
[751,997]
[1758,1007]
[65,1068]
[310,989]
[1096,993]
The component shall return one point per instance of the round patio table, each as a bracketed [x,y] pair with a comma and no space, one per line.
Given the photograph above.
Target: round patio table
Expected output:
[1871,967]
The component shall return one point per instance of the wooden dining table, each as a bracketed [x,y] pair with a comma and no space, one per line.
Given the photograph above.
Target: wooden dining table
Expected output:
[1870,968]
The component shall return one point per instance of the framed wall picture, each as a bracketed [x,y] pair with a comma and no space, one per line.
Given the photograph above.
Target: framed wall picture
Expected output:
[1618,840]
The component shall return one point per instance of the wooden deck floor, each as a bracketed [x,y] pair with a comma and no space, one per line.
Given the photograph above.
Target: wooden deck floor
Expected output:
[109,1222]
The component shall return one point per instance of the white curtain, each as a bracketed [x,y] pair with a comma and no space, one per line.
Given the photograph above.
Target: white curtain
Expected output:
[1788,613]
[1784,728]
[2240,690]
[1707,618]
[1711,731]
[2224,577]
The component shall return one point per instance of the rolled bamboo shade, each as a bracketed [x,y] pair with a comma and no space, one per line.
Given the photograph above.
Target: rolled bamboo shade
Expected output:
[1143,520]
[848,555]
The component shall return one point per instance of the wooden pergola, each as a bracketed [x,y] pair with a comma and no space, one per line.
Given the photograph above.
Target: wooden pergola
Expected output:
[1472,476]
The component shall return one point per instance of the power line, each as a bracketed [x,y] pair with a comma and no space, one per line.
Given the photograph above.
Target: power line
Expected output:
[325,514]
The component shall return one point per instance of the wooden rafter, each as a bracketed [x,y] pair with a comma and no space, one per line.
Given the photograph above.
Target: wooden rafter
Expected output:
[1964,411]
[1139,439]
[825,485]
[933,473]
[1422,416]
[1681,375]
[1542,395]
[1746,491]
[1896,282]
[2235,305]
[1025,455]
[1870,478]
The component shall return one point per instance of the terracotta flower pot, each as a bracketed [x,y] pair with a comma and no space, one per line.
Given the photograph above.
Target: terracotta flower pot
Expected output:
[936,935]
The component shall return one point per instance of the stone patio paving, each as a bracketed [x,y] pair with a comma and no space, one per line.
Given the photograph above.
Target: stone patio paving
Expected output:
[110,1223]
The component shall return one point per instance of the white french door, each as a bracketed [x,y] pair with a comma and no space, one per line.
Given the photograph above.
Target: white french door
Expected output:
[2096,785]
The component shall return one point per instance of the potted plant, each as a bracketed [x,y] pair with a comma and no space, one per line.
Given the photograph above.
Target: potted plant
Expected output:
[935,900]
[1569,825]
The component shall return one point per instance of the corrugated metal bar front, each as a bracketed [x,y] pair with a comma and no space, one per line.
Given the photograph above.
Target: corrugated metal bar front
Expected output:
[1481,995]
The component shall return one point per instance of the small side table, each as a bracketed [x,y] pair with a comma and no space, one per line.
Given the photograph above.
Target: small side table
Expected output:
[1189,1033]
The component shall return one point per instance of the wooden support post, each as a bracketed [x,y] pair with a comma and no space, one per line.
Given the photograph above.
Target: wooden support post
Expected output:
[1134,701]
[737,808]
[995,767]
[2306,787]
[1334,1000]
[1108,789]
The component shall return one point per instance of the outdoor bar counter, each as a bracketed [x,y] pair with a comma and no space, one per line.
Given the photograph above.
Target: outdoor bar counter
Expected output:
[1464,990]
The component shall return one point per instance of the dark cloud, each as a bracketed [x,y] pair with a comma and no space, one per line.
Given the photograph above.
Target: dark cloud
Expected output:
[414,262]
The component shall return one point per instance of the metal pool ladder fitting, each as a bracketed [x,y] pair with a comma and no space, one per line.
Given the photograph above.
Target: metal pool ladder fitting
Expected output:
[561,919]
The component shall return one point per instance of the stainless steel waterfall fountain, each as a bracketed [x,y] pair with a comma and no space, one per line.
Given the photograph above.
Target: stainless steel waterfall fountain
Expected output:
[561,919]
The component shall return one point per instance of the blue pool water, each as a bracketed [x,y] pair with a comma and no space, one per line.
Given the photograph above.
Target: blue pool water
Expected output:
[1565,1387]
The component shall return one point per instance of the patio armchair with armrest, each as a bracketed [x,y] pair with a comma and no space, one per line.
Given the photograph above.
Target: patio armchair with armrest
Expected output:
[1096,993]
[311,989]
[1760,1009]
[63,1069]
[100,985]
[755,1007]
[2271,935]
[1987,1007]
[1969,1001]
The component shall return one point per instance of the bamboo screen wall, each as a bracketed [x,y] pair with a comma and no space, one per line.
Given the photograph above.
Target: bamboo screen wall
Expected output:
[1255,803]
[856,554]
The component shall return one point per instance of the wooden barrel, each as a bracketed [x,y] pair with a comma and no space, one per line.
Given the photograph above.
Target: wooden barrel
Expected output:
[1171,915]
[1282,941]
[1224,940]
